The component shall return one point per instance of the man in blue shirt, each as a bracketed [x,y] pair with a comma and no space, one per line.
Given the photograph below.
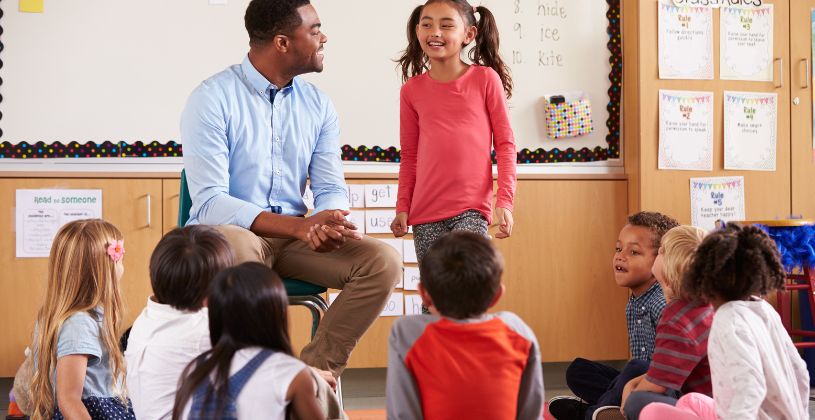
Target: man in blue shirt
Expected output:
[252,134]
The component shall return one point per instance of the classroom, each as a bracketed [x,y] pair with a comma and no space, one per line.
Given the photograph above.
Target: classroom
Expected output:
[599,120]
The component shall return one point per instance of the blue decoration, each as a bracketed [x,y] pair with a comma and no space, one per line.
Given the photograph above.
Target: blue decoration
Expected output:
[795,243]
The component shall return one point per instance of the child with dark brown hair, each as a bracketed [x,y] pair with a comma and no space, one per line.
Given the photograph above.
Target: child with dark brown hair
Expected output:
[756,371]
[460,362]
[173,328]
[452,115]
[598,387]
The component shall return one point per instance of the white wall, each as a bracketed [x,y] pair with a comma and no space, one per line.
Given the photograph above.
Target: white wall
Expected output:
[121,70]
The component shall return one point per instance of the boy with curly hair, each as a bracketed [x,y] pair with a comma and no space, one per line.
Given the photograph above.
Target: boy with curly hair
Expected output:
[598,387]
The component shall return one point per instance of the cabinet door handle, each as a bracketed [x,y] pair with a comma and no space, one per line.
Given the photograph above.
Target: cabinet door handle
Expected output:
[780,72]
[806,73]
[149,214]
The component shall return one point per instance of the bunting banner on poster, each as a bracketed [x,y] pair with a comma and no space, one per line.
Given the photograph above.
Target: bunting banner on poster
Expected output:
[716,199]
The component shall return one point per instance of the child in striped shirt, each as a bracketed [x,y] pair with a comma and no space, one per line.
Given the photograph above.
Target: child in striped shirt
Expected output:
[679,364]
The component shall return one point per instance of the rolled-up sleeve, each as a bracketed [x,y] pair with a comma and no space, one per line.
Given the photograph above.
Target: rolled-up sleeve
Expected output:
[326,170]
[206,163]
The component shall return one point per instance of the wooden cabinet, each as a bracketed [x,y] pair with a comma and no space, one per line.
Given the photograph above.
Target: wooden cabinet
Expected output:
[133,205]
[767,194]
[801,116]
[170,202]
[558,275]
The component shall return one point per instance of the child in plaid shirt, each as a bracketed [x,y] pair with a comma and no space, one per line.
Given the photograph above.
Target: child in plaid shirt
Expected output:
[600,387]
[679,364]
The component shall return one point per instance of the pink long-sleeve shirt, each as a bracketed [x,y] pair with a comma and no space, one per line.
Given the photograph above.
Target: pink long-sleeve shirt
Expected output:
[447,132]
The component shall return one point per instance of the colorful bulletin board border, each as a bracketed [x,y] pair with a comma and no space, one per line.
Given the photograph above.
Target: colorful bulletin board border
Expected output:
[90,149]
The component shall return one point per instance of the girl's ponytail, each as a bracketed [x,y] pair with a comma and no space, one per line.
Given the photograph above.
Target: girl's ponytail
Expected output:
[413,61]
[486,50]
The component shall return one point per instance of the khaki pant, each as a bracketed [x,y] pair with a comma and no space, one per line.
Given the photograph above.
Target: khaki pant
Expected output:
[327,399]
[365,270]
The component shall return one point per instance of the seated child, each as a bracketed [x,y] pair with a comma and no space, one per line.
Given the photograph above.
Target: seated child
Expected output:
[78,368]
[173,328]
[679,364]
[460,362]
[250,372]
[596,385]
[756,371]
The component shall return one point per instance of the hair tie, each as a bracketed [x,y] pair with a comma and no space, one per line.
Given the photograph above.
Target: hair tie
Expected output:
[116,250]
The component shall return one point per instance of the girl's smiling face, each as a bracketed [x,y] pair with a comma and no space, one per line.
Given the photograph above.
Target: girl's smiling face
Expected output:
[442,31]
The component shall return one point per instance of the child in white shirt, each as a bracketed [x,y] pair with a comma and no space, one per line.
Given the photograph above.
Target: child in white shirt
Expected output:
[173,328]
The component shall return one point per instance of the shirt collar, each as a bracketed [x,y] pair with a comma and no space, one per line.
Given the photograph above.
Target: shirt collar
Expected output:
[648,293]
[167,311]
[258,82]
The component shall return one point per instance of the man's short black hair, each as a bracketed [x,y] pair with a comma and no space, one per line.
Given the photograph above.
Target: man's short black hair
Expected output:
[462,274]
[265,19]
[184,263]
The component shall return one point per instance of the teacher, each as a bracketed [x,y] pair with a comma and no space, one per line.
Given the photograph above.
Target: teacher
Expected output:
[252,135]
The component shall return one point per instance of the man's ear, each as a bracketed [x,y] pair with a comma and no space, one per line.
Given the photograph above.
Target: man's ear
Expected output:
[281,43]
[426,300]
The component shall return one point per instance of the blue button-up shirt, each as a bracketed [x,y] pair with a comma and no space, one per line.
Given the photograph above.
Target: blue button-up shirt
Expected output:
[249,147]
[642,315]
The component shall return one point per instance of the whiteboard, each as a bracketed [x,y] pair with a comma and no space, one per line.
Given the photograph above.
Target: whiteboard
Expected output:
[121,70]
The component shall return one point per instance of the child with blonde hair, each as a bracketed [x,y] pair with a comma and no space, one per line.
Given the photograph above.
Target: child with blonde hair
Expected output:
[79,369]
[756,371]
[679,364]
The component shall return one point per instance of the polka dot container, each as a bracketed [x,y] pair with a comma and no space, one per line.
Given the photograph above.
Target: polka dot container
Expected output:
[568,119]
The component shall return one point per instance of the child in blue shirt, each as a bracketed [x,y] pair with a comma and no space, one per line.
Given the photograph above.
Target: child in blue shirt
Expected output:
[79,368]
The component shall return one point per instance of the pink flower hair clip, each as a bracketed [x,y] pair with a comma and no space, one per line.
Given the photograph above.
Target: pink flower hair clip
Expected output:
[116,250]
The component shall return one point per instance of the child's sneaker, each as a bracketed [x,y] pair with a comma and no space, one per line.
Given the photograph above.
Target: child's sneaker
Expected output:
[608,412]
[567,408]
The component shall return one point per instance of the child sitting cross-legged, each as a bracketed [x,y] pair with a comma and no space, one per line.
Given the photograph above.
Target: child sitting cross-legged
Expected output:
[679,364]
[598,387]
[250,372]
[173,329]
[461,362]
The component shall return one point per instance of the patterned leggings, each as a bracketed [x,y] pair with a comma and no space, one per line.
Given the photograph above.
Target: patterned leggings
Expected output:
[425,235]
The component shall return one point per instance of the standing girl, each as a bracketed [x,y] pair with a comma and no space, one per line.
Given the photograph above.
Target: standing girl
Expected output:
[250,372]
[451,115]
[79,369]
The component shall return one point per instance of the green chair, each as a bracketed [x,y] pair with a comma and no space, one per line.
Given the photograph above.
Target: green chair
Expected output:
[300,292]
